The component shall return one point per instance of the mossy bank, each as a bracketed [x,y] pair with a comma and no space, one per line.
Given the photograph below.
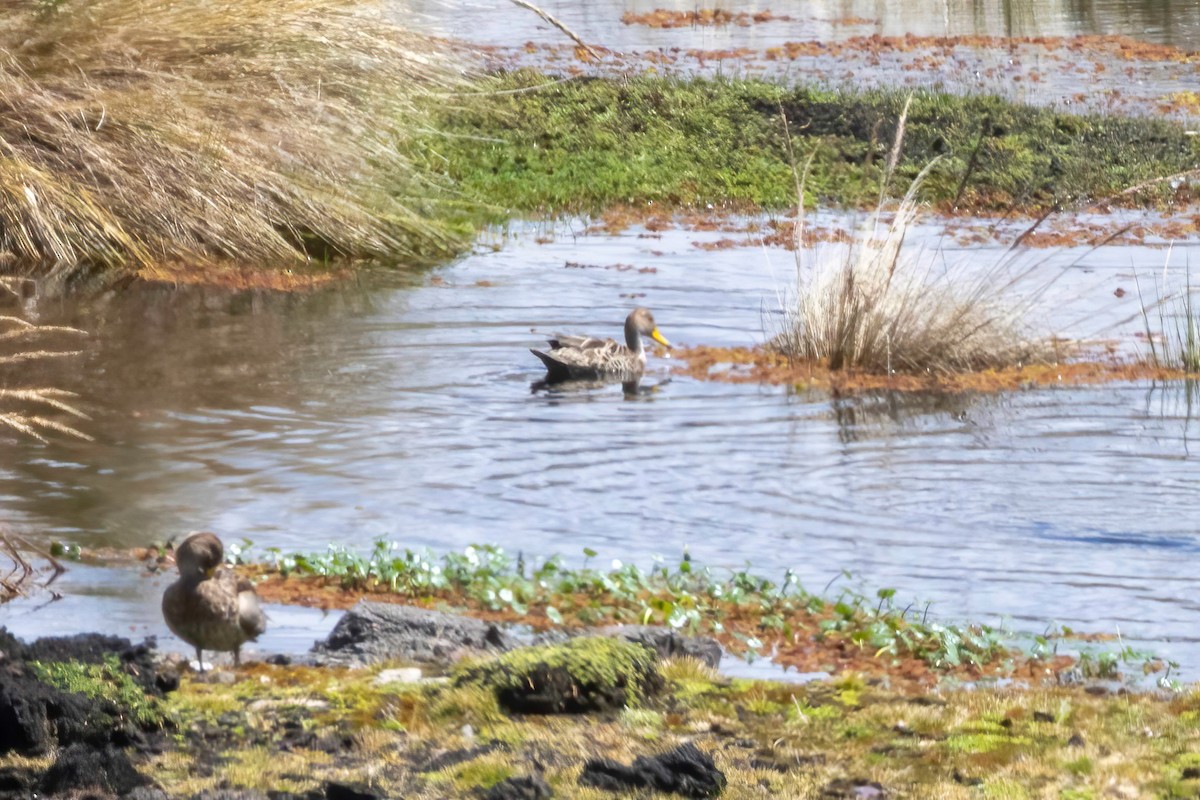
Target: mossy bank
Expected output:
[528,144]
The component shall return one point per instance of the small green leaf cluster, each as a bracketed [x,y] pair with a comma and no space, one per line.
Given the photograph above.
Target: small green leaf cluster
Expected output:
[686,596]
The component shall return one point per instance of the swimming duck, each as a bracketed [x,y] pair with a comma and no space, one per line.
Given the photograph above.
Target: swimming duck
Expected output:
[209,607]
[574,357]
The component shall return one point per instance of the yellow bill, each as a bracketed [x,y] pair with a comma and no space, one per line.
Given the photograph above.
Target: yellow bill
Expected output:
[658,337]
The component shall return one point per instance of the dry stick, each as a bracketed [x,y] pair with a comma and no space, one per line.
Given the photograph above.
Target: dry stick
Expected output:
[59,569]
[894,154]
[800,180]
[590,51]
[1191,173]
[972,161]
[1145,317]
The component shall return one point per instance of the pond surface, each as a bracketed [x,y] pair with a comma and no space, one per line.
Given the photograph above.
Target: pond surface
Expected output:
[499,22]
[837,44]
[404,409]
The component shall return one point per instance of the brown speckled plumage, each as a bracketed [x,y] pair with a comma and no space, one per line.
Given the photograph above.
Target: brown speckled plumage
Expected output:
[575,357]
[209,607]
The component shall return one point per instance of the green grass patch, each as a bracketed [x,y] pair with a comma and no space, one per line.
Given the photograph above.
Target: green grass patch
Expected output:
[104,681]
[588,144]
[590,673]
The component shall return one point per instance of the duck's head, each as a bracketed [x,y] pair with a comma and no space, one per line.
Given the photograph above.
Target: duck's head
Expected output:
[640,322]
[199,555]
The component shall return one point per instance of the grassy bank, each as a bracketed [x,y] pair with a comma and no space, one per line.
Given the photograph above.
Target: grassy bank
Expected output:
[297,729]
[293,728]
[537,146]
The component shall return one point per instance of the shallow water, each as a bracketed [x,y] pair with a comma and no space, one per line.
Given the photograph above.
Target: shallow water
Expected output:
[1171,22]
[404,410]
[1095,76]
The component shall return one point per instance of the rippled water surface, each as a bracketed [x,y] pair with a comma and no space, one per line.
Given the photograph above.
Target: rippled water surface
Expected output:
[1173,22]
[404,409]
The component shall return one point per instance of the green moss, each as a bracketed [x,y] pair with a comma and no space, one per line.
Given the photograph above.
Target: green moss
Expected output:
[585,145]
[583,674]
[105,681]
[1003,790]
[643,722]
[986,742]
[801,711]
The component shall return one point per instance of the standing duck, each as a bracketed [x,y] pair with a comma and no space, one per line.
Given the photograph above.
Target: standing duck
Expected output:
[574,357]
[209,607]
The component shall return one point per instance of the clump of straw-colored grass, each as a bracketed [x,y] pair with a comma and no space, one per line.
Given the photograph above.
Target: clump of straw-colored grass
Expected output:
[884,307]
[140,133]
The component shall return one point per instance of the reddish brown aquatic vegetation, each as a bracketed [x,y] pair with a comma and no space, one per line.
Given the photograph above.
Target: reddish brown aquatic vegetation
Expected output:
[800,643]
[762,365]
[1123,47]
[669,18]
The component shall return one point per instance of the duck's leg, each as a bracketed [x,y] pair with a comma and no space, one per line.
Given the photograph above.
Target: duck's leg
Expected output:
[237,656]
[199,659]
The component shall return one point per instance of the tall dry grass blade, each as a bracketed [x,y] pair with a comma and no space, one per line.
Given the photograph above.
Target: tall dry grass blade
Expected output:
[47,397]
[21,424]
[556,23]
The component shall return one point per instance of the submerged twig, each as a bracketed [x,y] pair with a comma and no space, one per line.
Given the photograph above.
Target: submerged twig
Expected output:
[546,16]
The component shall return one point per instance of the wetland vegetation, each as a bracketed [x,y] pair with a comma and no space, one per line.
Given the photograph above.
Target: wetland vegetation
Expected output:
[197,142]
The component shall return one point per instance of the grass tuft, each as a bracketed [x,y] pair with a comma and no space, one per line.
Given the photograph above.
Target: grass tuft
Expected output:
[144,135]
[882,308]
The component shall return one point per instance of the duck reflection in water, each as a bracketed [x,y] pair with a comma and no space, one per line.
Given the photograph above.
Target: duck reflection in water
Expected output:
[633,390]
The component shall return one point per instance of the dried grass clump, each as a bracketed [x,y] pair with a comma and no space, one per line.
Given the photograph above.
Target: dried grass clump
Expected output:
[884,309]
[141,133]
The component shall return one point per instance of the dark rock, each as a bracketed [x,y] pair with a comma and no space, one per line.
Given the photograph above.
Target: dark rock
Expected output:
[1043,716]
[667,642]
[853,789]
[138,660]
[82,767]
[167,681]
[966,780]
[372,632]
[343,791]
[530,787]
[687,770]
[311,794]
[278,660]
[230,794]
[1075,741]
[34,716]
[18,782]
[1190,773]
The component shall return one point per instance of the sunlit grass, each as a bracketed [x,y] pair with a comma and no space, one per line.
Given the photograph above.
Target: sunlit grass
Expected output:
[139,134]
